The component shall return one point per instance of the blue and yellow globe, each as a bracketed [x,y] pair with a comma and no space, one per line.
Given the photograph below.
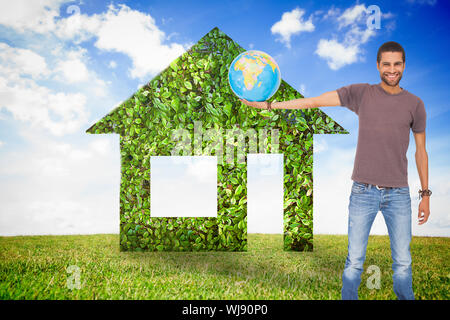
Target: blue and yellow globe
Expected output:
[254,76]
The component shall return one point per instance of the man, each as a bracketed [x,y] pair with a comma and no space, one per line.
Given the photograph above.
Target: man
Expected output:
[386,113]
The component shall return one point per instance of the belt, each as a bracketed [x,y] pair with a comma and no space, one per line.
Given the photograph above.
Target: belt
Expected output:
[378,187]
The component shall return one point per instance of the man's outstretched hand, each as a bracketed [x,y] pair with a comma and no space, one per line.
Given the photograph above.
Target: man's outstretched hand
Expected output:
[255,104]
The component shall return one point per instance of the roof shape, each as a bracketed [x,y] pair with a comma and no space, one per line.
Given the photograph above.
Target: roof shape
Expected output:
[195,87]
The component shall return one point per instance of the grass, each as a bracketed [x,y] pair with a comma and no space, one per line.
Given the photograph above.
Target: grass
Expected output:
[35,267]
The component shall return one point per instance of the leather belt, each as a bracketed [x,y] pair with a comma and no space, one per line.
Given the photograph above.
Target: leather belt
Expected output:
[378,187]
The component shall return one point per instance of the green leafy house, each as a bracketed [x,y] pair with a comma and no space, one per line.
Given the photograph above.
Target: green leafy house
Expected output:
[194,88]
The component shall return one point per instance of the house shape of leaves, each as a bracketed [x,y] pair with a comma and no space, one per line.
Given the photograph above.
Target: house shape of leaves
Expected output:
[194,90]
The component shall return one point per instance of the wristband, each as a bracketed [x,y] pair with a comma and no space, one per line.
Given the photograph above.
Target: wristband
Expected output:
[269,105]
[425,192]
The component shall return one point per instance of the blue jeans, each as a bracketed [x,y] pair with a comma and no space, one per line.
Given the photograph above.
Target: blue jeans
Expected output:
[395,205]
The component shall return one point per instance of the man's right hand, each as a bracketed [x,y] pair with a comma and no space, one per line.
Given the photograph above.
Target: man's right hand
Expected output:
[255,104]
[326,99]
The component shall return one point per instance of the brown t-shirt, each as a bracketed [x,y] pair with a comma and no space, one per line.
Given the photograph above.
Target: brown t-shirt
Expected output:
[383,137]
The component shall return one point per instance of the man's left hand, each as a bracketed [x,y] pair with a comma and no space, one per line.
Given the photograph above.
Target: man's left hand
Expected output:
[424,209]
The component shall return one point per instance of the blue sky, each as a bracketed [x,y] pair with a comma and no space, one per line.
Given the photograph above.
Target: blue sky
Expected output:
[65,64]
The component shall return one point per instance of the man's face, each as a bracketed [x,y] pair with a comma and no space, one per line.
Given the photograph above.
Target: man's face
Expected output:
[391,68]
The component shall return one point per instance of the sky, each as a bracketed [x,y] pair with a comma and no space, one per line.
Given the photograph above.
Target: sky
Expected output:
[66,64]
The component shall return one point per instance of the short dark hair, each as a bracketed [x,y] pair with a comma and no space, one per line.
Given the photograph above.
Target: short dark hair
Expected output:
[390,46]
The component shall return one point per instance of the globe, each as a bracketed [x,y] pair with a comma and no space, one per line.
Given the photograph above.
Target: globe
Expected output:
[254,76]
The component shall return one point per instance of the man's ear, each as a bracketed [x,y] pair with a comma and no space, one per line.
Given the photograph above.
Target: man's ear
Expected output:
[378,66]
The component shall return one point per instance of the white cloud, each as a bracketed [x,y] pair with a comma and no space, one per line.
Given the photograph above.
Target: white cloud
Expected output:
[17,62]
[124,30]
[33,103]
[347,51]
[21,93]
[72,67]
[25,15]
[136,35]
[352,15]
[73,70]
[120,29]
[78,27]
[357,36]
[332,12]
[292,23]
[337,54]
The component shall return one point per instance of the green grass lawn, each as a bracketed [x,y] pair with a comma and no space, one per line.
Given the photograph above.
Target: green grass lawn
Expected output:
[35,267]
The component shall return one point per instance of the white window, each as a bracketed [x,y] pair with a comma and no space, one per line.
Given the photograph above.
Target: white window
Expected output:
[183,186]
[265,193]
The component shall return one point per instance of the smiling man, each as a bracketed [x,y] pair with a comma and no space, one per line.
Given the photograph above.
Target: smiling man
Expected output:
[386,114]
